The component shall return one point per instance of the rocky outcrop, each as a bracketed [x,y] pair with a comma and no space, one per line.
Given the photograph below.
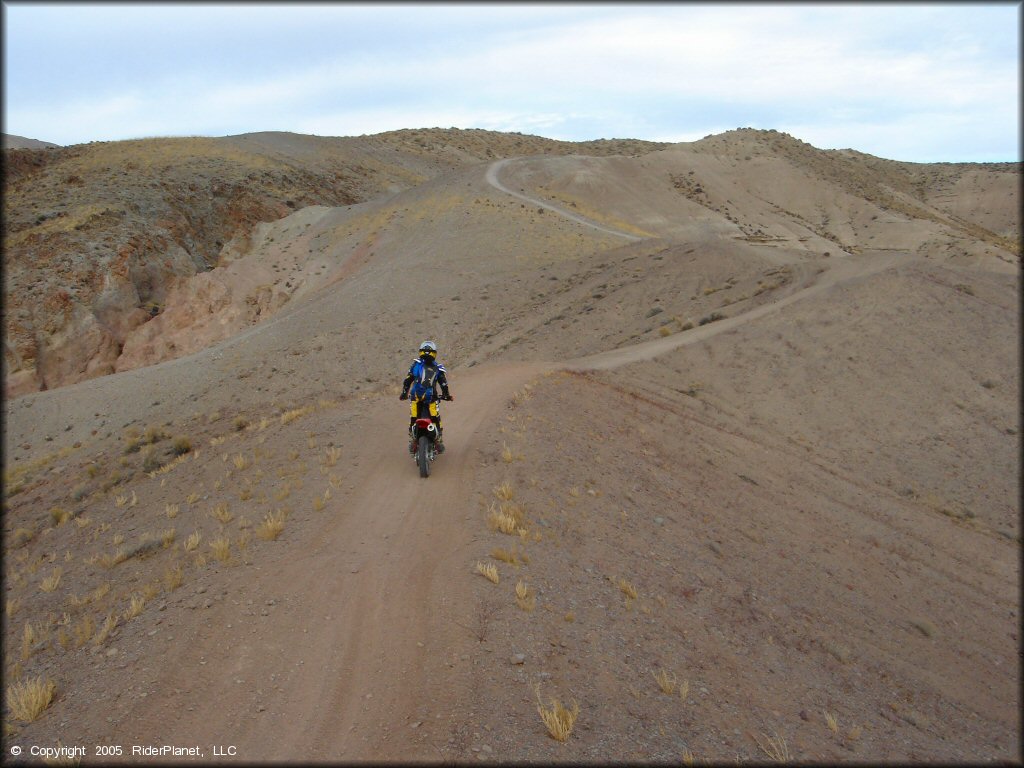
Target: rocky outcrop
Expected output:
[201,311]
[79,348]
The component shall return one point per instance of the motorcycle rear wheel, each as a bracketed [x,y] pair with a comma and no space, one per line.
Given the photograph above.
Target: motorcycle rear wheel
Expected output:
[422,452]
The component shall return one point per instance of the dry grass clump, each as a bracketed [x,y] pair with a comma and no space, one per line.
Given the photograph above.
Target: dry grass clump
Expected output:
[108,626]
[832,722]
[192,541]
[163,469]
[510,556]
[666,680]
[500,520]
[28,641]
[272,526]
[627,589]
[488,570]
[21,537]
[331,456]
[28,699]
[222,514]
[121,500]
[526,598]
[83,630]
[504,491]
[774,747]
[135,607]
[173,577]
[558,720]
[289,416]
[59,516]
[181,446]
[151,461]
[51,582]
[508,517]
[109,561]
[221,548]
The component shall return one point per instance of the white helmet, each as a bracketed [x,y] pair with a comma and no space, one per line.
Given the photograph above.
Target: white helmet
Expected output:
[428,348]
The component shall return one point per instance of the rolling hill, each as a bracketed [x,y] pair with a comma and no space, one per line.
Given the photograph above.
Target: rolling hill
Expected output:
[736,423]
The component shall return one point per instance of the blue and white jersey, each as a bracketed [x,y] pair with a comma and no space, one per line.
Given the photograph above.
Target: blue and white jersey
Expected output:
[424,377]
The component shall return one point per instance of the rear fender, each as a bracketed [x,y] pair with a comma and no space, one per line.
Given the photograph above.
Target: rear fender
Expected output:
[426,426]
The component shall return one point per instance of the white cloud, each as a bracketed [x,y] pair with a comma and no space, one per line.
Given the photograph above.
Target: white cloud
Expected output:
[842,71]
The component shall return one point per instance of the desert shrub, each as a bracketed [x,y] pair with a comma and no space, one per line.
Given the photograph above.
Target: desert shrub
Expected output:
[713,317]
[181,446]
[151,460]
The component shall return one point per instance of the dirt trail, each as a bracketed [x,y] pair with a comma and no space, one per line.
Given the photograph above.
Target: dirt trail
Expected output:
[357,643]
[844,271]
[492,179]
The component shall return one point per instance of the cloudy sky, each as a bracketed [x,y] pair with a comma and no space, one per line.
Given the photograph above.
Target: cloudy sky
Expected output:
[920,82]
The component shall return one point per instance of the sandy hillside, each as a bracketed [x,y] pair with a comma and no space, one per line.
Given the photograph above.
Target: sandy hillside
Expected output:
[736,423]
[99,237]
[11,141]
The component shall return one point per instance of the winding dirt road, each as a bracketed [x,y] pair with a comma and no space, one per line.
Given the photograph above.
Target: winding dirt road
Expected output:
[492,178]
[341,653]
[842,270]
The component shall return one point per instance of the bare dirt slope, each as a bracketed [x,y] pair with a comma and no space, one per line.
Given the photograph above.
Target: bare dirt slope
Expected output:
[781,480]
[99,237]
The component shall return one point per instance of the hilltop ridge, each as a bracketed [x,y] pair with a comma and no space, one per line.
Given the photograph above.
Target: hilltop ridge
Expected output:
[98,236]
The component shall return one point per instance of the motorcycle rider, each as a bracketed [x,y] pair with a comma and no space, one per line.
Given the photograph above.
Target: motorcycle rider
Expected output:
[420,387]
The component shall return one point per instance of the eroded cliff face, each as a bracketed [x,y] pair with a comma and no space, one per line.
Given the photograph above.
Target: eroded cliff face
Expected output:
[73,313]
[201,311]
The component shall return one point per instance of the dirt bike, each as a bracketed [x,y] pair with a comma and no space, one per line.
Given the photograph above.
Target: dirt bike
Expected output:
[424,446]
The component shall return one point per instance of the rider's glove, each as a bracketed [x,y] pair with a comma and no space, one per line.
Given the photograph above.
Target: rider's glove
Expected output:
[447,396]
[403,396]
